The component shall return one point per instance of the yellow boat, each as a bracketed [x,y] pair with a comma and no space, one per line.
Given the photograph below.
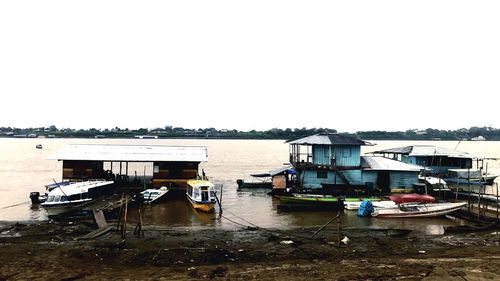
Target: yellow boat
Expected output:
[201,195]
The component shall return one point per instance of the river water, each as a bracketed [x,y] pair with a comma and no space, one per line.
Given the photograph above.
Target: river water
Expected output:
[23,169]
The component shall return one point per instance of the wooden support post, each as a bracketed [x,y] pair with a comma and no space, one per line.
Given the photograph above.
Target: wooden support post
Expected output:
[497,201]
[326,224]
[339,221]
[124,228]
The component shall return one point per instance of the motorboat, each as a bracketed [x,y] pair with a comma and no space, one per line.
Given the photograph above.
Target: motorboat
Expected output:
[258,181]
[152,195]
[39,146]
[201,195]
[412,210]
[73,196]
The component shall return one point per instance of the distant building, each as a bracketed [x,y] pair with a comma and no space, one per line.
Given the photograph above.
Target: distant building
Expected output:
[146,137]
[478,138]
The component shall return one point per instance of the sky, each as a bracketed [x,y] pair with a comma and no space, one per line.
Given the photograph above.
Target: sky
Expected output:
[260,64]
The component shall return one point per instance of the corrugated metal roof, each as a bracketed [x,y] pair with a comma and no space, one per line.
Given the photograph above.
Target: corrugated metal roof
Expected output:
[426,150]
[379,163]
[329,139]
[132,153]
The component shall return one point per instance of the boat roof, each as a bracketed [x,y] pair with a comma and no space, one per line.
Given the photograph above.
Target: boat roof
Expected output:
[329,139]
[132,153]
[78,187]
[274,172]
[379,163]
[425,150]
[200,183]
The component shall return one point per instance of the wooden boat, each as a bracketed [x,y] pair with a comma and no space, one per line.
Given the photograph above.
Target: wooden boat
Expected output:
[298,201]
[73,196]
[412,210]
[259,181]
[153,195]
[298,198]
[201,195]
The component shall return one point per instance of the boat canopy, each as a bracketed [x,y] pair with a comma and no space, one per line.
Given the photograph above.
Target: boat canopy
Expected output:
[78,187]
[132,153]
[199,183]
[289,170]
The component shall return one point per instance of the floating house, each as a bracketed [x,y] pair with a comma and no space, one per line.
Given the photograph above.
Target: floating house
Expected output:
[333,163]
[437,159]
[172,166]
[453,166]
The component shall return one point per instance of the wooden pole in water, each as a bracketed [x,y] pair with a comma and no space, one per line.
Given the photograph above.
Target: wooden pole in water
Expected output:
[497,201]
[338,229]
[468,199]
[124,233]
[330,221]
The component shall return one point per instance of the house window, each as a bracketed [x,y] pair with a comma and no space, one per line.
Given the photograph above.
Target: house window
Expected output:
[322,174]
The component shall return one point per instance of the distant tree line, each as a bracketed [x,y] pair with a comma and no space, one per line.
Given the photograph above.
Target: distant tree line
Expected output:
[487,133]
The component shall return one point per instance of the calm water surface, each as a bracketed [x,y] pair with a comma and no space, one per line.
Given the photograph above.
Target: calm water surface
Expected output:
[24,169]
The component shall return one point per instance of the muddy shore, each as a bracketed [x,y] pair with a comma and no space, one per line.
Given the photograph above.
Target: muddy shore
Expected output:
[57,251]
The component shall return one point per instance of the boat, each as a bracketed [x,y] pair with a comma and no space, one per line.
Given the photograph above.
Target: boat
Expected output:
[469,176]
[302,201]
[201,195]
[39,146]
[73,197]
[413,210]
[412,198]
[154,195]
[354,205]
[259,181]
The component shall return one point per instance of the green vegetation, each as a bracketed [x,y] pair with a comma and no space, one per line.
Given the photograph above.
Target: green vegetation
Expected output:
[487,133]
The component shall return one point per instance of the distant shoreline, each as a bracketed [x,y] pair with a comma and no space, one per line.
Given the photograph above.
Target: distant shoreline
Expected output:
[168,132]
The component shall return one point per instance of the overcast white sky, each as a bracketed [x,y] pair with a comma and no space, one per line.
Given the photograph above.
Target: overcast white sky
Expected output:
[348,65]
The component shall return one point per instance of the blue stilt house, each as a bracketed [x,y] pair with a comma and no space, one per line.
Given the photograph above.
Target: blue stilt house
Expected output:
[332,163]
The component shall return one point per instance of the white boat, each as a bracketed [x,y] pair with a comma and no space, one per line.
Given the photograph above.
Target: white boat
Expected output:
[73,196]
[376,204]
[410,210]
[201,195]
[154,195]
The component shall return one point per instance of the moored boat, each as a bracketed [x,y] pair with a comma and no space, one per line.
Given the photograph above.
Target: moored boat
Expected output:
[354,205]
[201,195]
[410,210]
[73,197]
[153,195]
[298,201]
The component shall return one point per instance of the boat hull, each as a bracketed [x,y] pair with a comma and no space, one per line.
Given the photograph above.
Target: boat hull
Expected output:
[309,200]
[418,210]
[201,206]
[60,209]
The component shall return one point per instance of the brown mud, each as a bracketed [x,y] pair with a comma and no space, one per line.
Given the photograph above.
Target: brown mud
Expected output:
[56,251]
